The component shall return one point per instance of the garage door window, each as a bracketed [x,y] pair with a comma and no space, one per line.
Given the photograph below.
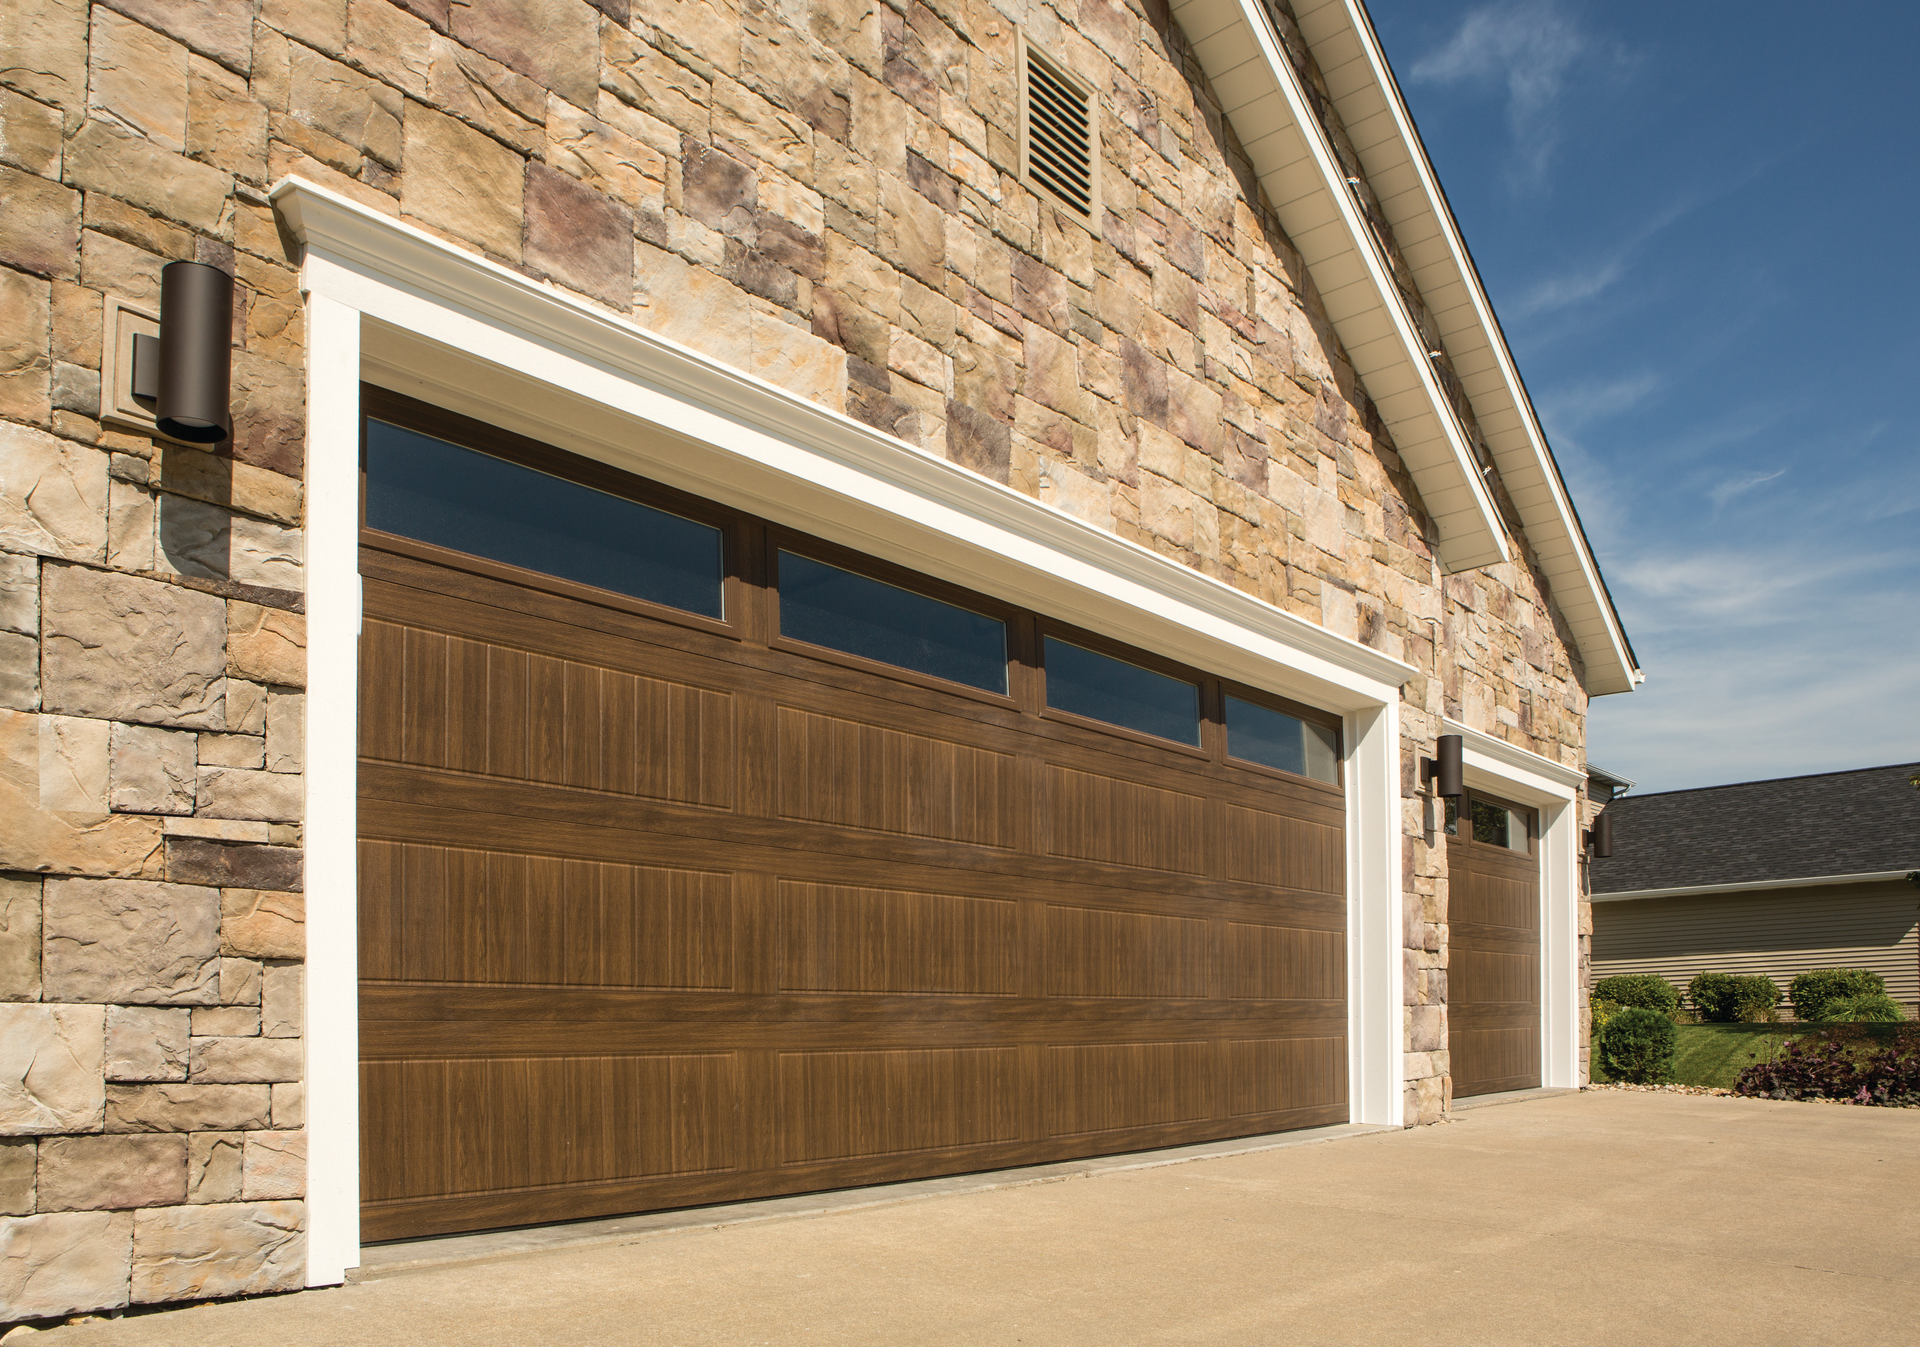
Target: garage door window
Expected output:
[845,611]
[1101,687]
[1275,739]
[442,493]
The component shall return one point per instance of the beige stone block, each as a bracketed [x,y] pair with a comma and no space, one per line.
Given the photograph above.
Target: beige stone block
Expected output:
[19,938]
[317,23]
[209,541]
[290,1104]
[46,46]
[281,998]
[37,839]
[796,360]
[53,495]
[152,771]
[267,645]
[246,708]
[479,90]
[240,981]
[226,126]
[913,232]
[286,734]
[218,829]
[226,1022]
[214,1166]
[221,1249]
[20,594]
[263,924]
[26,315]
[756,127]
[137,78]
[103,157]
[40,231]
[229,1061]
[233,750]
[146,1043]
[135,942]
[276,1166]
[606,157]
[18,1157]
[644,77]
[131,525]
[30,135]
[19,671]
[124,648]
[232,792]
[51,1064]
[111,1172]
[220,480]
[64,1262]
[186,1108]
[391,43]
[221,29]
[690,305]
[462,182]
[346,104]
[73,764]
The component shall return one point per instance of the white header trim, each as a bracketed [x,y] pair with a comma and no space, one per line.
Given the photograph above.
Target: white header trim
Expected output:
[1705,890]
[1517,766]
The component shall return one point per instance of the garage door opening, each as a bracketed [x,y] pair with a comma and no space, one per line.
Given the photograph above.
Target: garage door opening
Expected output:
[701,860]
[1493,967]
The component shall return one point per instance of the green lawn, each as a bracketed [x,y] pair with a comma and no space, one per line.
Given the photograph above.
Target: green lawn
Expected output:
[1714,1054]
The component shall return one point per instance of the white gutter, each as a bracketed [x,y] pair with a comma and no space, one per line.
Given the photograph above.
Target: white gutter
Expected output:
[1705,890]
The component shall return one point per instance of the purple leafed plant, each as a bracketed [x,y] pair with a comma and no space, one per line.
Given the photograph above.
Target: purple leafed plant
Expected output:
[1856,1063]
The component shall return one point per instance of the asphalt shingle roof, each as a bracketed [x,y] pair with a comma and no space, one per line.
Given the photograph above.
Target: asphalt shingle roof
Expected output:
[1797,827]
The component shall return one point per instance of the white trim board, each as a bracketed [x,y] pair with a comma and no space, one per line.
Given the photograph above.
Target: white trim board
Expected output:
[1708,890]
[1555,790]
[390,303]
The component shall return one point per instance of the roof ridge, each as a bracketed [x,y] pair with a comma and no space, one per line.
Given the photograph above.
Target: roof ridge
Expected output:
[1770,780]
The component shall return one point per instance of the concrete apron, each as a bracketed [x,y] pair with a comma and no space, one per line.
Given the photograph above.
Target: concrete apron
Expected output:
[1582,1219]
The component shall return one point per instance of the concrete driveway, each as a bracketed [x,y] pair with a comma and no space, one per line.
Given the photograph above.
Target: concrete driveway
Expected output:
[1592,1218]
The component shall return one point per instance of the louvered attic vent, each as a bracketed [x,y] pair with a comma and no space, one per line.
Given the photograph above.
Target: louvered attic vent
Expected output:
[1061,134]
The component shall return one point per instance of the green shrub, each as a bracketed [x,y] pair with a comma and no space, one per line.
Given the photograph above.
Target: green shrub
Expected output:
[1723,998]
[1812,992]
[1649,991]
[1872,1008]
[1602,1012]
[1637,1045]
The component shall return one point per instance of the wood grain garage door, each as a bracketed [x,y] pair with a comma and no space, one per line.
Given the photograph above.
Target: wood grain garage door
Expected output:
[658,910]
[1493,970]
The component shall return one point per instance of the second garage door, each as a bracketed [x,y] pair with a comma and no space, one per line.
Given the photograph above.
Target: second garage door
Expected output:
[1493,968]
[702,861]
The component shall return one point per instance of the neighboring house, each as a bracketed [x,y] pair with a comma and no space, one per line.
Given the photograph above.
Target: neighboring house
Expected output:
[1773,877]
[910,559]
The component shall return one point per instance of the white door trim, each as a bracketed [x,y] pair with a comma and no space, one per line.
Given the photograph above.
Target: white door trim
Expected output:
[1554,789]
[392,304]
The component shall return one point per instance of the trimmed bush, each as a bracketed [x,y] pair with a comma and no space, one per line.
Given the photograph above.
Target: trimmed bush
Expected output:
[1812,992]
[1637,1045]
[1649,991]
[1873,1008]
[1722,998]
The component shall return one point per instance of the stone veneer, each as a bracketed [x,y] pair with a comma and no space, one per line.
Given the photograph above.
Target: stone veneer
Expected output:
[823,195]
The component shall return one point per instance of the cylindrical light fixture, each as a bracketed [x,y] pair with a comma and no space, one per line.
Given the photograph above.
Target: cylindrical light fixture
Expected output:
[1444,768]
[196,353]
[1600,835]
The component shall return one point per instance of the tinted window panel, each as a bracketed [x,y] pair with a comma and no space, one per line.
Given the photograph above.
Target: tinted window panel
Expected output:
[844,611]
[1500,827]
[425,488]
[1098,686]
[1275,739]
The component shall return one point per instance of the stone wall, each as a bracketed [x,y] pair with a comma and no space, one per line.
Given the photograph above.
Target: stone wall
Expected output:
[825,194]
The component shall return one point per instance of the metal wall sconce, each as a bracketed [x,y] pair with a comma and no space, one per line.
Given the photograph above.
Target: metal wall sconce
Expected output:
[188,369]
[1599,838]
[1444,767]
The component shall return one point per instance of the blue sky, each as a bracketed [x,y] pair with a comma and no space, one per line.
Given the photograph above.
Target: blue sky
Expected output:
[1697,223]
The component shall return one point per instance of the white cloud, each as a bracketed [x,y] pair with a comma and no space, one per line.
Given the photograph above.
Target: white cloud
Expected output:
[1739,486]
[1571,406]
[1530,47]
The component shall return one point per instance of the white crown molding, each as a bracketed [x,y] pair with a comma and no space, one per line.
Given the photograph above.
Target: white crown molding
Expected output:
[1708,890]
[361,240]
[1505,759]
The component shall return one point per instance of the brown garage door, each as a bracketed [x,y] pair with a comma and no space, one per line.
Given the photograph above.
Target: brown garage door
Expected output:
[660,909]
[1493,969]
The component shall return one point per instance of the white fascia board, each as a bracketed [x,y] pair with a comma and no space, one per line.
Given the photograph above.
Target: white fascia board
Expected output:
[1505,413]
[1707,890]
[1538,776]
[383,265]
[1325,222]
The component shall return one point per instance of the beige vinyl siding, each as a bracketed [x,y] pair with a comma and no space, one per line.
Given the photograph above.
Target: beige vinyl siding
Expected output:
[1779,933]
